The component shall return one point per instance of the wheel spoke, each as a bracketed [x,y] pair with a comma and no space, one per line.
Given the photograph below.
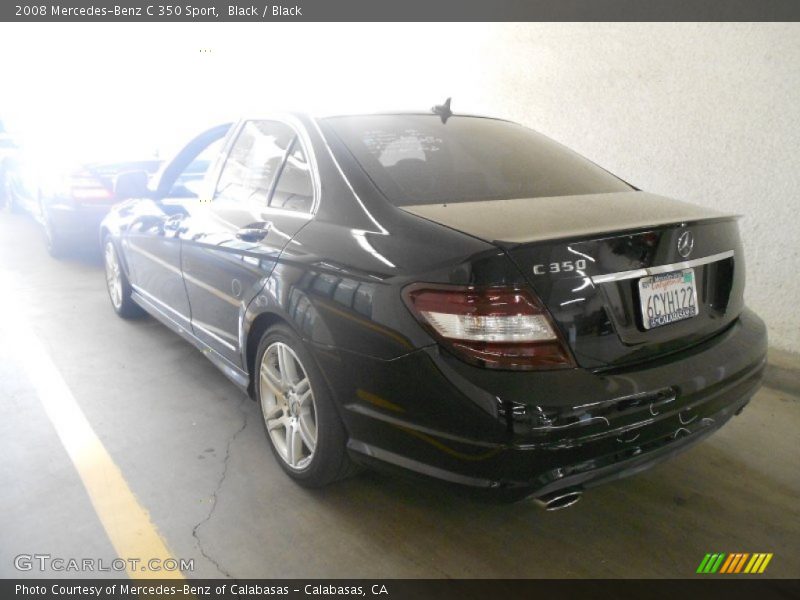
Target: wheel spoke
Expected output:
[302,387]
[294,444]
[282,365]
[287,366]
[273,424]
[273,380]
[308,431]
[304,398]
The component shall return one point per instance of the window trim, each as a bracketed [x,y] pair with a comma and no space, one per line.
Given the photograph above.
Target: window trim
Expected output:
[279,172]
[301,135]
[158,178]
[287,155]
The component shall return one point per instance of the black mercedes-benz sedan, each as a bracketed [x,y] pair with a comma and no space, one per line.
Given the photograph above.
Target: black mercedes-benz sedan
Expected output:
[451,295]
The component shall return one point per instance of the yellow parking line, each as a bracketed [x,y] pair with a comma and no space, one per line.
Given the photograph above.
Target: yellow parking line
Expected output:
[127,523]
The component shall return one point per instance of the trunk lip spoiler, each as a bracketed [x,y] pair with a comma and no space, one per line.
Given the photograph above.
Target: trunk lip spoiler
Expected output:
[644,272]
[511,246]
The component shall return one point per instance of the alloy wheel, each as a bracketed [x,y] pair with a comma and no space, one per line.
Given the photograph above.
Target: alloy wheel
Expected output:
[46,225]
[287,404]
[49,235]
[113,275]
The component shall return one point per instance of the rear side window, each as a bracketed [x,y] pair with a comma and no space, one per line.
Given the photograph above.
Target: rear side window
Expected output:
[294,189]
[417,159]
[254,162]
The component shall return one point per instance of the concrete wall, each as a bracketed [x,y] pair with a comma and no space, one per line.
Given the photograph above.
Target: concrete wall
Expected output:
[708,113]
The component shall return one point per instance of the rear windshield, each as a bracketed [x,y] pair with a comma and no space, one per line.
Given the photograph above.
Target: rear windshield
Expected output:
[417,159]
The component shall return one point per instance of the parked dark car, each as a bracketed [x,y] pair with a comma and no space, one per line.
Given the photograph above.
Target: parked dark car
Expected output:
[454,296]
[69,206]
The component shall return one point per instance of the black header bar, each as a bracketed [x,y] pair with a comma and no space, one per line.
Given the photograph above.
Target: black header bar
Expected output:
[398,10]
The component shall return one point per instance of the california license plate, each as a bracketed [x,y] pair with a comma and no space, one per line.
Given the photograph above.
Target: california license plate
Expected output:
[667,298]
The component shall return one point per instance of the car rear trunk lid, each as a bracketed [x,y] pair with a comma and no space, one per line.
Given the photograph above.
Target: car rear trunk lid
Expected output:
[585,257]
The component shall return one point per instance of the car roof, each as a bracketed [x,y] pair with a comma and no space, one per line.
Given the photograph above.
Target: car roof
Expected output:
[322,115]
[400,113]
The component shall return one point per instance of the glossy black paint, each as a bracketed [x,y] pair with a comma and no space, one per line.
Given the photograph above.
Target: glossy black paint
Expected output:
[335,276]
[603,321]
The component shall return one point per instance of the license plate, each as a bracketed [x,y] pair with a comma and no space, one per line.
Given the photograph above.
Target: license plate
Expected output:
[667,298]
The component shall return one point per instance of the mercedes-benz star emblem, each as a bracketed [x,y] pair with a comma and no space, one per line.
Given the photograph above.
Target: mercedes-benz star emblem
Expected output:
[685,244]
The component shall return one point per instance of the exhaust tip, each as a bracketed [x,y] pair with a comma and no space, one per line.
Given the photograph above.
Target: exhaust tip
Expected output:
[559,500]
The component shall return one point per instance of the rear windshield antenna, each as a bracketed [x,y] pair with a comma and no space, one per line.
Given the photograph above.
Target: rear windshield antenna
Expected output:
[443,110]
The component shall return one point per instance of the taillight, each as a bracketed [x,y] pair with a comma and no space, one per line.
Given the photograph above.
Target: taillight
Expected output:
[496,327]
[84,187]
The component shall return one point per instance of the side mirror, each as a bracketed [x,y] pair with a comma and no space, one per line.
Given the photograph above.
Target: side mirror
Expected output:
[131,184]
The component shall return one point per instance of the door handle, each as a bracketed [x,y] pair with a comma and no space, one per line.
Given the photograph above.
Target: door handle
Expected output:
[254,232]
[174,222]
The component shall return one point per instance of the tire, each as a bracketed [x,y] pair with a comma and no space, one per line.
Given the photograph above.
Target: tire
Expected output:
[57,246]
[10,200]
[5,188]
[300,420]
[117,284]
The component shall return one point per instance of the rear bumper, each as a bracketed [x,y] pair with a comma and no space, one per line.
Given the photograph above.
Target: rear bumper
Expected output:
[79,223]
[543,432]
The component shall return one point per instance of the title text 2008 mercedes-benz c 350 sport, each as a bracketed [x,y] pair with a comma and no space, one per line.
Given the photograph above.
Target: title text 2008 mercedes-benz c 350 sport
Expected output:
[451,295]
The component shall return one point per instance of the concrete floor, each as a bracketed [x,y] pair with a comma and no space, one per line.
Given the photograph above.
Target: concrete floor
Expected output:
[192,450]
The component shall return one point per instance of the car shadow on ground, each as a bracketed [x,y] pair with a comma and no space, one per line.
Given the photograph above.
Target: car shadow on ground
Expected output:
[82,251]
[86,254]
[711,498]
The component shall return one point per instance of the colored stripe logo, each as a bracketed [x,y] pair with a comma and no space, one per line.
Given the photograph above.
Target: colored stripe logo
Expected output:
[737,562]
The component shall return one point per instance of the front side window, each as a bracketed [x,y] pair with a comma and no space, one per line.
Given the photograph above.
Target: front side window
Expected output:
[254,162]
[182,176]
[294,189]
[189,182]
[418,159]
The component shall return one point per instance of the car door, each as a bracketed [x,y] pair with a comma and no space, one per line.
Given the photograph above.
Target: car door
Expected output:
[152,243]
[264,195]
